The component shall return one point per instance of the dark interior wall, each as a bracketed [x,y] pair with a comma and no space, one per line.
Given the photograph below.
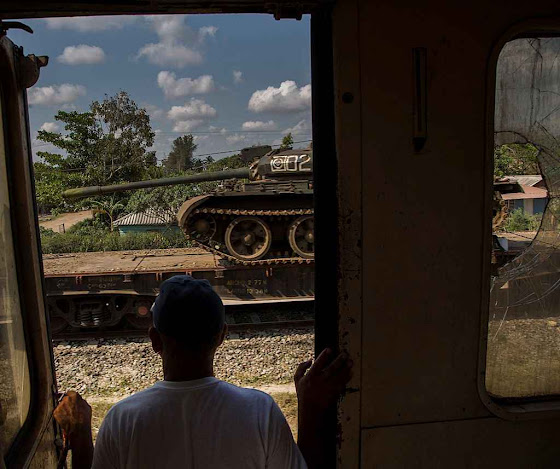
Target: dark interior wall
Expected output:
[423,221]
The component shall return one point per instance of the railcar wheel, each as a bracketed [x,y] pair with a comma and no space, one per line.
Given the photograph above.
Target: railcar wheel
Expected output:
[142,316]
[248,238]
[137,322]
[301,236]
[58,324]
[201,227]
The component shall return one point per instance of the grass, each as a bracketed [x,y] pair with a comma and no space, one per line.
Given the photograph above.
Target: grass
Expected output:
[99,408]
[287,402]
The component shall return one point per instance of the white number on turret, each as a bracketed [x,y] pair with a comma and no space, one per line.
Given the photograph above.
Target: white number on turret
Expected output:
[290,163]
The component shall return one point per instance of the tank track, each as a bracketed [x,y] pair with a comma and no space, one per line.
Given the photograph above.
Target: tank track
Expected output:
[254,213]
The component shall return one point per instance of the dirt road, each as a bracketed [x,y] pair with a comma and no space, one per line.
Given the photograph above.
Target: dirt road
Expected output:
[66,220]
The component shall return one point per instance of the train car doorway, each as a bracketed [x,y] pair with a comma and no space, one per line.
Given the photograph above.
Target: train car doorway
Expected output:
[54,139]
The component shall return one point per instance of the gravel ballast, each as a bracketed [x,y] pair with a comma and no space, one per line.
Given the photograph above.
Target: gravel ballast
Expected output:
[115,368]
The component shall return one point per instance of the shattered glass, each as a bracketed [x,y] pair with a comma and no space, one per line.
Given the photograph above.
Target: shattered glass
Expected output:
[523,355]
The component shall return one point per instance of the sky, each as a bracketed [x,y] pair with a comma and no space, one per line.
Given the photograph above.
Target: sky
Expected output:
[230,80]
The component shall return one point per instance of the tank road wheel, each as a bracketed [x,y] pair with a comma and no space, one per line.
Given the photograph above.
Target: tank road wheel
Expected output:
[301,236]
[248,238]
[201,227]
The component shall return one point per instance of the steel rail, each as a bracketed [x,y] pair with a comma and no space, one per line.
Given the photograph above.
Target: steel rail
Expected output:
[140,334]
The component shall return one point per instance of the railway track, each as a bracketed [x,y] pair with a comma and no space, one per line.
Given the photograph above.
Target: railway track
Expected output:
[257,316]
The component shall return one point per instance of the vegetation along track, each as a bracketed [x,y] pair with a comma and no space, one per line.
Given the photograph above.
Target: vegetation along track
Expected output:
[257,315]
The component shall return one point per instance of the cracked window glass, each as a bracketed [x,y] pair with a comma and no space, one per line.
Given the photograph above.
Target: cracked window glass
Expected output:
[523,355]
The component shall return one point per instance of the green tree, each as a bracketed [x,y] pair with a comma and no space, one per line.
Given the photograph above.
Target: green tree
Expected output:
[127,135]
[163,202]
[106,145]
[181,157]
[515,159]
[518,220]
[49,185]
[287,142]
[110,206]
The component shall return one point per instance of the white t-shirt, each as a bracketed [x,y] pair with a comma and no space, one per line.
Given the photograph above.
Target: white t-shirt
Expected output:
[200,424]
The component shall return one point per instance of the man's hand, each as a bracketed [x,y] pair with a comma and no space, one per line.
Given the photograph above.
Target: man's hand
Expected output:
[321,386]
[73,414]
[318,390]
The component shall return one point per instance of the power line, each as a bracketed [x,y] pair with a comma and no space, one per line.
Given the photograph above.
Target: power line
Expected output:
[223,132]
[69,170]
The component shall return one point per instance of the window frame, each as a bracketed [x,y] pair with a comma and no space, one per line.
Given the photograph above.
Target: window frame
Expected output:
[517,409]
[25,234]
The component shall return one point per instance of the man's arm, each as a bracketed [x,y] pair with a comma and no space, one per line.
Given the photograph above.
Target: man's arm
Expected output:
[318,387]
[73,414]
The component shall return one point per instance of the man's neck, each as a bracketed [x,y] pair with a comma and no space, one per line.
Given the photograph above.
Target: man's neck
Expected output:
[187,370]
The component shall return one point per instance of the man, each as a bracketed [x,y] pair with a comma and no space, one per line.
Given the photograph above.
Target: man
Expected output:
[192,419]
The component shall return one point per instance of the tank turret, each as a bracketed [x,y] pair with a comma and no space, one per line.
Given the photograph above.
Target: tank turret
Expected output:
[263,216]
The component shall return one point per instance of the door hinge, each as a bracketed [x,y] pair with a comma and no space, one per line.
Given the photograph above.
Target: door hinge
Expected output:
[5,25]
[29,68]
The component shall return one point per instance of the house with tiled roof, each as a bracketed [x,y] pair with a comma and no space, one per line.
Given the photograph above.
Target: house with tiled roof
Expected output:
[531,195]
[146,222]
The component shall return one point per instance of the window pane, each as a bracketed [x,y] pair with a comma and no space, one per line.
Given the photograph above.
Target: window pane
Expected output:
[14,372]
[523,357]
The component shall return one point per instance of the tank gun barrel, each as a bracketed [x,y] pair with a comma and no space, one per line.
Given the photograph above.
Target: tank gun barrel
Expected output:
[239,173]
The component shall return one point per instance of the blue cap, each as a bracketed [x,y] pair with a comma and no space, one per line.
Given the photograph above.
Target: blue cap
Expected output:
[188,309]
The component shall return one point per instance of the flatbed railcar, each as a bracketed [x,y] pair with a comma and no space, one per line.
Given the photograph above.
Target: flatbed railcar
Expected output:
[87,296]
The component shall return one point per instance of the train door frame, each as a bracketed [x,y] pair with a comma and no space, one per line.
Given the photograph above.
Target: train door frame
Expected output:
[324,142]
[325,186]
[523,409]
[28,266]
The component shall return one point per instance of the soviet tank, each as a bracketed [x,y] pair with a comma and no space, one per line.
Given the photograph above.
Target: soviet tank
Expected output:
[261,214]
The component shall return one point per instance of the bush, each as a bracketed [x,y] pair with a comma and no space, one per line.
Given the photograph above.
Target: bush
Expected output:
[95,240]
[100,222]
[518,220]
[45,231]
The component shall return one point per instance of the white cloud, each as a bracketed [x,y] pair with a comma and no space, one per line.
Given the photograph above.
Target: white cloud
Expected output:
[179,45]
[223,130]
[188,125]
[175,88]
[207,31]
[154,112]
[200,138]
[50,127]
[302,127]
[169,27]
[193,109]
[286,98]
[236,138]
[56,94]
[90,23]
[237,76]
[82,54]
[259,125]
[174,55]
